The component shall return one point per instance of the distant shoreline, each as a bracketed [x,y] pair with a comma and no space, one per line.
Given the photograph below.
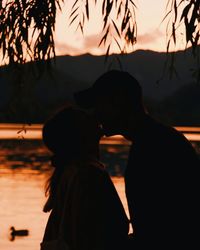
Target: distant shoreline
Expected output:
[34,132]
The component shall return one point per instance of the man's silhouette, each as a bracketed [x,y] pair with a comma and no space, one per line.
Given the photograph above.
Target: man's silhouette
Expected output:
[162,174]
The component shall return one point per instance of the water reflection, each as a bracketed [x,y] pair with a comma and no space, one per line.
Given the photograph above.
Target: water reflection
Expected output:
[22,198]
[24,169]
[34,131]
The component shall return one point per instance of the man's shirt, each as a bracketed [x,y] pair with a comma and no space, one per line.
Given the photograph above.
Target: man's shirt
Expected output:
[162,188]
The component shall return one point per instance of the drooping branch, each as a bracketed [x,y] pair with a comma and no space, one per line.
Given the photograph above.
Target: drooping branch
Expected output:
[119,21]
[119,24]
[183,25]
[186,13]
[26,29]
[27,26]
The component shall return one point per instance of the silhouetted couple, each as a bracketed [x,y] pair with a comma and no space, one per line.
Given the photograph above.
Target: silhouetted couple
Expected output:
[161,178]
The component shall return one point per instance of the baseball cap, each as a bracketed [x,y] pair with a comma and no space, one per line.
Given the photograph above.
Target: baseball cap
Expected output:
[110,83]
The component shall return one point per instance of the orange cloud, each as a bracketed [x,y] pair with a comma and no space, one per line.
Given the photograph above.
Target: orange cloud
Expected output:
[89,44]
[92,41]
[66,49]
[150,37]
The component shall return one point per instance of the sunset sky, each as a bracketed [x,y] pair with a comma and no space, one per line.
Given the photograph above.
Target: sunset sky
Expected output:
[151,32]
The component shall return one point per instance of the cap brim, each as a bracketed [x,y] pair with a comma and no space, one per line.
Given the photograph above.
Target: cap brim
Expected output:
[85,98]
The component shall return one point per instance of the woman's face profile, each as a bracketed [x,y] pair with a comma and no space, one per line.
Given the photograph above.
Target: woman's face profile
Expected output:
[72,131]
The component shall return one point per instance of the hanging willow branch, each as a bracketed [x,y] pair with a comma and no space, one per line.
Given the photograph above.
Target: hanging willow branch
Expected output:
[186,12]
[26,29]
[183,21]
[27,26]
[121,28]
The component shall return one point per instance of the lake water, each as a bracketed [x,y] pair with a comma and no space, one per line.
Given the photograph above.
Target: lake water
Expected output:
[24,169]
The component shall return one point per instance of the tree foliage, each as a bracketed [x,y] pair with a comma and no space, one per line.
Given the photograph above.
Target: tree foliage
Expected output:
[183,25]
[186,12]
[27,26]
[26,29]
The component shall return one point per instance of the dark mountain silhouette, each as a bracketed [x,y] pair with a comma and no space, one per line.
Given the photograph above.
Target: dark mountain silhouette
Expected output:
[182,108]
[23,97]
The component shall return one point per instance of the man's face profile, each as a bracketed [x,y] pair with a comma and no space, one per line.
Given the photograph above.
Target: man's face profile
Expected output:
[107,114]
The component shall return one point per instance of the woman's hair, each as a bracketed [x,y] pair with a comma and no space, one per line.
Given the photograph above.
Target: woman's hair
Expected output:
[71,135]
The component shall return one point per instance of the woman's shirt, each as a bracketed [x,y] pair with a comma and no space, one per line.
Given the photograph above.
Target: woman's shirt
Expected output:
[94,217]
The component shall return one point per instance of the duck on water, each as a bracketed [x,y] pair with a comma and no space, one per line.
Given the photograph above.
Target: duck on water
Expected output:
[21,232]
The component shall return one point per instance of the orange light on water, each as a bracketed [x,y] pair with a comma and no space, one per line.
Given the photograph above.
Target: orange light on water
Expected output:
[192,137]
[34,132]
[188,129]
[15,131]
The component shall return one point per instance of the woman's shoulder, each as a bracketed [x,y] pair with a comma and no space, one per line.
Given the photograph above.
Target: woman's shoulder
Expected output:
[92,169]
[84,170]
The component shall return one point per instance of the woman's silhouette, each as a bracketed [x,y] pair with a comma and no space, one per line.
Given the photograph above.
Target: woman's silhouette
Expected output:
[81,196]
